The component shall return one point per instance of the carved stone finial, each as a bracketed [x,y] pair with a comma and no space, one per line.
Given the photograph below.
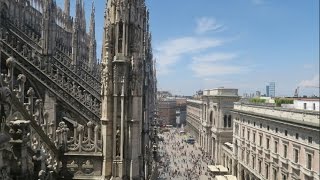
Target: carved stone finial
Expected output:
[30,92]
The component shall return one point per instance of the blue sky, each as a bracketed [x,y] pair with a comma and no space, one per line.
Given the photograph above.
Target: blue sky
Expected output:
[240,44]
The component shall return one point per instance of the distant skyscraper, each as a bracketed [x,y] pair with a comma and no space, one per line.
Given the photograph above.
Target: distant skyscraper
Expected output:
[271,89]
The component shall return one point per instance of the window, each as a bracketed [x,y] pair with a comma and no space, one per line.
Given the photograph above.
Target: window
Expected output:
[260,164]
[285,132]
[242,132]
[260,125]
[284,177]
[309,139]
[236,128]
[276,130]
[304,105]
[242,155]
[225,121]
[297,136]
[247,160]
[267,171]
[253,162]
[268,143]
[120,37]
[296,155]
[285,150]
[248,135]
[276,146]
[260,140]
[274,174]
[254,137]
[268,128]
[314,106]
[309,161]
[229,121]
[254,123]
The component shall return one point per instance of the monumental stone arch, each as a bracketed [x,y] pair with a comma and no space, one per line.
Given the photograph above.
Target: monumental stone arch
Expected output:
[63,114]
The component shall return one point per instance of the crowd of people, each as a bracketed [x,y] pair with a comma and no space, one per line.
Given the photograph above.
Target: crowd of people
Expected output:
[180,160]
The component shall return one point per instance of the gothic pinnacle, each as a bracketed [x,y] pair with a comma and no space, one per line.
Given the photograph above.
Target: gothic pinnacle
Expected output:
[67,7]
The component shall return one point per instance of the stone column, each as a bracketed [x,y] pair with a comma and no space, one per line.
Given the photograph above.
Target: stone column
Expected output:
[205,142]
[136,137]
[216,151]
[115,167]
[106,132]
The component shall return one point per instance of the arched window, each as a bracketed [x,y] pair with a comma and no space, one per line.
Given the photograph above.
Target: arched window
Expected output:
[211,117]
[225,121]
[229,121]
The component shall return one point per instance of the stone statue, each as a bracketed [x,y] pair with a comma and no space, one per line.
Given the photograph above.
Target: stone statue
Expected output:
[118,141]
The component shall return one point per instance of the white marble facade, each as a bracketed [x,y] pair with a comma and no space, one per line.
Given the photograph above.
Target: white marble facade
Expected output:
[275,143]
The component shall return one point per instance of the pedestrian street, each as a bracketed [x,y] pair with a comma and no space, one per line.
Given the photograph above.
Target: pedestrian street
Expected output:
[180,160]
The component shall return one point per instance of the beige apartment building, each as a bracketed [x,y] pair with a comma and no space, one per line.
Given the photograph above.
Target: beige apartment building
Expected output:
[194,112]
[217,120]
[273,143]
[167,111]
[210,119]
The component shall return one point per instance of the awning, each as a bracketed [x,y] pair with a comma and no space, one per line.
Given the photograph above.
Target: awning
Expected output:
[213,168]
[222,168]
[217,168]
[225,177]
[229,144]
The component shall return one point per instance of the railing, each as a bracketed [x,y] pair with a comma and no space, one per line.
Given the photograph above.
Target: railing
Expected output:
[26,122]
[82,70]
[43,138]
[52,75]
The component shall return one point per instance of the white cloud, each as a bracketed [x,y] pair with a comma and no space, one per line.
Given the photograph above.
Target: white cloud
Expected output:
[214,69]
[312,83]
[214,57]
[206,24]
[216,63]
[171,51]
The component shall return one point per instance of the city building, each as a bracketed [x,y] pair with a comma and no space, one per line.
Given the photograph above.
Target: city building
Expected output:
[167,111]
[311,104]
[181,106]
[271,89]
[163,94]
[194,114]
[258,94]
[210,120]
[216,120]
[274,143]
[267,91]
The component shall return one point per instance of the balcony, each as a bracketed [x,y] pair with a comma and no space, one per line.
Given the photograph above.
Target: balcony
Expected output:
[242,140]
[284,160]
[275,155]
[266,151]
[260,148]
[253,144]
[247,142]
[295,165]
[307,172]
